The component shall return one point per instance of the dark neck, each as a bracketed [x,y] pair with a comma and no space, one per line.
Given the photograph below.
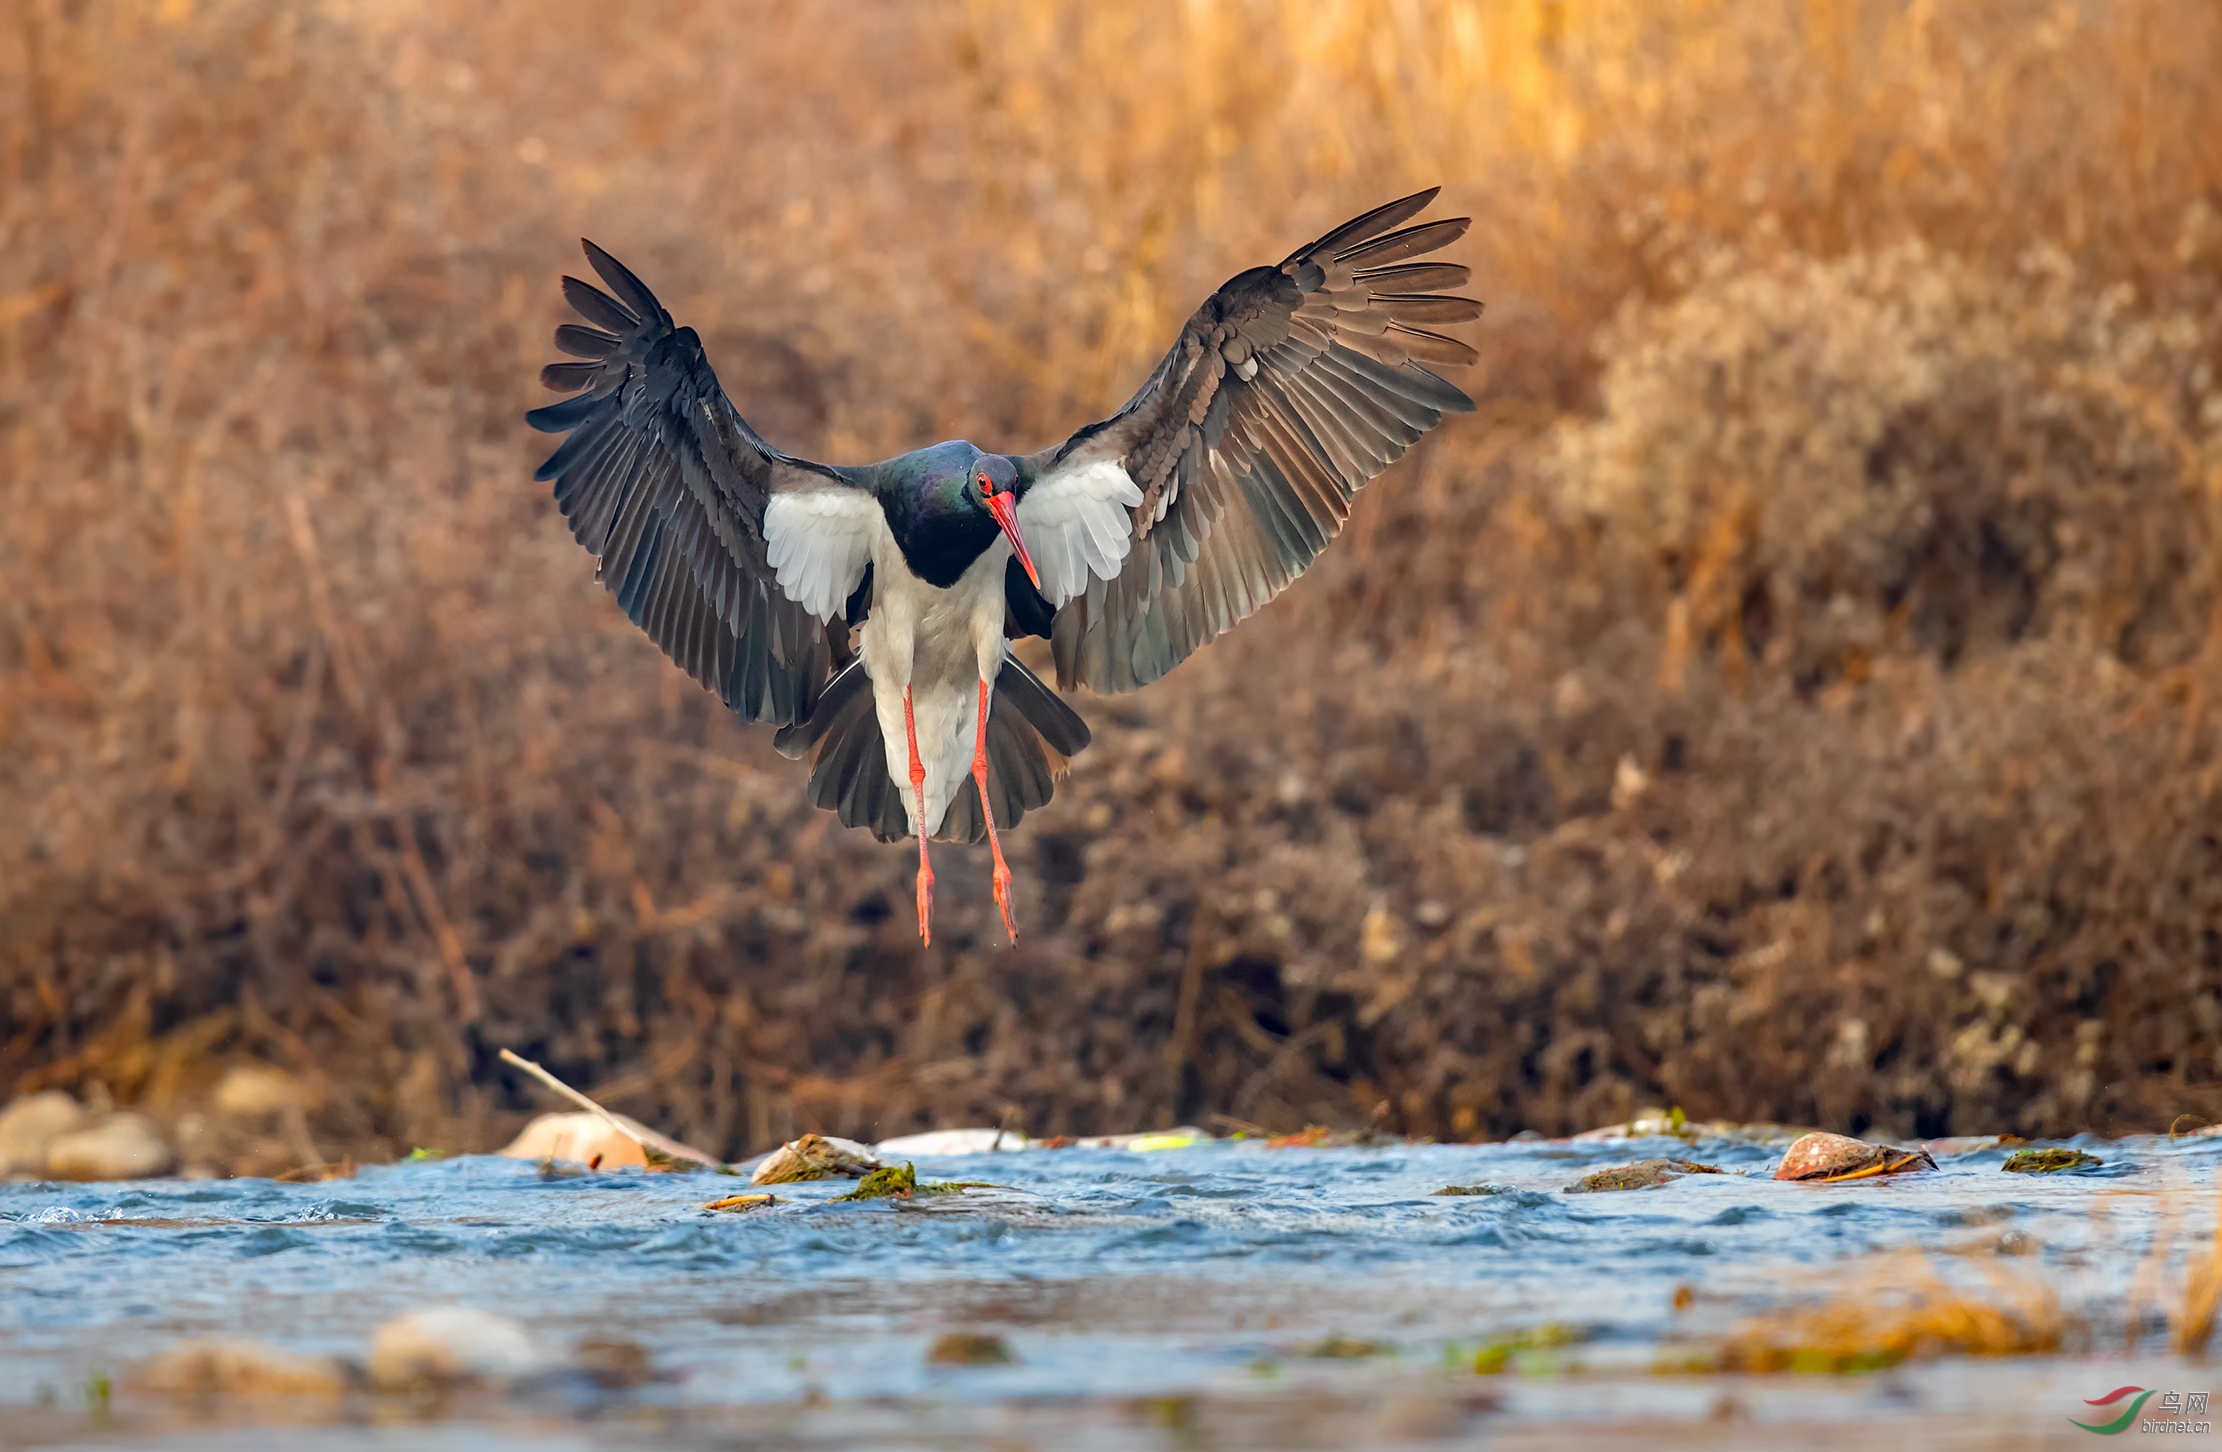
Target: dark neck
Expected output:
[940,531]
[941,547]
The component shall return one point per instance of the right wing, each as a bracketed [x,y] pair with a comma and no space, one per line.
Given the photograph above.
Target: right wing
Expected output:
[729,553]
[1226,475]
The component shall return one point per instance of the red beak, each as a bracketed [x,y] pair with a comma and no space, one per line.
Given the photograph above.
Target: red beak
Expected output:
[1004,506]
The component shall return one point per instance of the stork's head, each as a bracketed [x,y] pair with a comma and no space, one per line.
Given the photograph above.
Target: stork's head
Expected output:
[995,483]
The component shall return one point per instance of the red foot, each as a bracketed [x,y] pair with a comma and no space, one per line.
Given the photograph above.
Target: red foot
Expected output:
[925,897]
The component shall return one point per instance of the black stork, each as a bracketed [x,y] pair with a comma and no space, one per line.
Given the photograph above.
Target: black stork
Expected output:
[1128,545]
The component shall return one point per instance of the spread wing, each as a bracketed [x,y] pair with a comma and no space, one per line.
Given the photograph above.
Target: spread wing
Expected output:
[1235,464]
[725,550]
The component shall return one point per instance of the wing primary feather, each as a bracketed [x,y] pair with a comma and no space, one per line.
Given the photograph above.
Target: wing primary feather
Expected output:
[630,290]
[1417,384]
[578,486]
[586,342]
[563,377]
[1357,229]
[1411,242]
[1416,277]
[1426,308]
[561,463]
[597,306]
[638,564]
[561,418]
[603,493]
[628,529]
[1390,417]
[1429,347]
[1401,417]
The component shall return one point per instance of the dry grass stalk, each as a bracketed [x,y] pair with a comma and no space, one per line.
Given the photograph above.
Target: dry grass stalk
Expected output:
[2202,1292]
[1904,1311]
[654,1145]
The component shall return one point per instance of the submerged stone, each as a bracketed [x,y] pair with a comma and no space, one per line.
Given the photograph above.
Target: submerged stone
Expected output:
[220,1367]
[969,1348]
[448,1346]
[1641,1175]
[614,1365]
[30,1125]
[257,1091]
[1473,1190]
[120,1147]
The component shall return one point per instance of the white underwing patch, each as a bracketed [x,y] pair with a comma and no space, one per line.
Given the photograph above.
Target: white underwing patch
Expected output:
[1078,522]
[817,542]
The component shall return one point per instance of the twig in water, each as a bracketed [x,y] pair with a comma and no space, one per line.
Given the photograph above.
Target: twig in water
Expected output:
[651,1143]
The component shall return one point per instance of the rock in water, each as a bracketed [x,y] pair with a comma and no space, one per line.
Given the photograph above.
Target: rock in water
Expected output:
[452,1346]
[969,1348]
[240,1368]
[1827,1157]
[120,1147]
[29,1127]
[815,1157]
[614,1365]
[1641,1175]
[936,1142]
[257,1091]
[2049,1161]
[586,1139]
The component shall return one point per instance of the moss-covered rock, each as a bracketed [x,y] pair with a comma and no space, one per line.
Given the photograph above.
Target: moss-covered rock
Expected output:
[2048,1161]
[1641,1175]
[890,1183]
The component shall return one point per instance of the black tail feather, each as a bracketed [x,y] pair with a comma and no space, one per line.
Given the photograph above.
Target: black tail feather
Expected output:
[1032,735]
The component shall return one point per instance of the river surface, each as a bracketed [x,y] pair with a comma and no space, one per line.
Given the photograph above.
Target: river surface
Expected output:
[1221,1295]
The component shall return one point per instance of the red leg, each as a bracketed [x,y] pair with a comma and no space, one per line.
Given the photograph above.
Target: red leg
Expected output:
[918,794]
[995,843]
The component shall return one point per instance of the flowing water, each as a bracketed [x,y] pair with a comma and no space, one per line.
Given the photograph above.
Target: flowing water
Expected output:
[1221,1295]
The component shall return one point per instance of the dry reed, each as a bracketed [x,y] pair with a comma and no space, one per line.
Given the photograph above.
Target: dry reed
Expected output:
[1902,1310]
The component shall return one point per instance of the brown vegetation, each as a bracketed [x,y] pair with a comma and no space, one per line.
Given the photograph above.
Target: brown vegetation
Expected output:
[1790,696]
[1901,1308]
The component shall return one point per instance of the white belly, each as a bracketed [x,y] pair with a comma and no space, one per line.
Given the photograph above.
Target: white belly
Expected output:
[941,644]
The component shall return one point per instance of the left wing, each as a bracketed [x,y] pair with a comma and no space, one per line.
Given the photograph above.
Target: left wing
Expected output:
[1235,464]
[729,553]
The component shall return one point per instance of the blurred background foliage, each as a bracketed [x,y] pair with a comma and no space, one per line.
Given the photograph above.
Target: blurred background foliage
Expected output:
[1789,696]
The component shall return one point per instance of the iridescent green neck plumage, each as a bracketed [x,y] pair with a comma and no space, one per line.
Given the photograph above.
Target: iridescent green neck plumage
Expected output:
[934,510]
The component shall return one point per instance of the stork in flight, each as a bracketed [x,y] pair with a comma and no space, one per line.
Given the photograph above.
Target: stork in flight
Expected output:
[1128,545]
